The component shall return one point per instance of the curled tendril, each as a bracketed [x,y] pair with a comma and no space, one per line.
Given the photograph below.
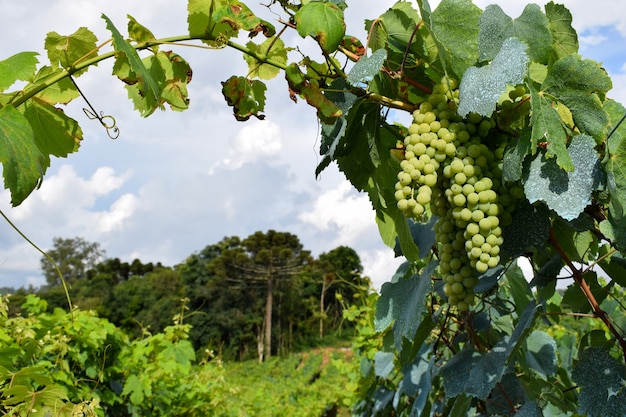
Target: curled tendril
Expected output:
[107,121]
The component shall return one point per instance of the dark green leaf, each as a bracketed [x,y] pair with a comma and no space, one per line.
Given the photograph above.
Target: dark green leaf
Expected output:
[19,67]
[579,84]
[567,193]
[23,164]
[564,35]
[529,409]
[481,87]
[514,156]
[603,383]
[541,352]
[519,288]
[322,21]
[575,300]
[547,127]
[530,227]
[128,62]
[403,303]
[423,235]
[367,67]
[246,97]
[616,173]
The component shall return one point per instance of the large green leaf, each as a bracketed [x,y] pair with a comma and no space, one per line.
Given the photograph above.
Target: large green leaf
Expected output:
[19,67]
[547,127]
[514,156]
[541,352]
[564,35]
[481,87]
[403,302]
[55,133]
[66,51]
[130,69]
[23,164]
[323,21]
[603,384]
[580,84]
[615,166]
[61,92]
[454,25]
[531,28]
[567,193]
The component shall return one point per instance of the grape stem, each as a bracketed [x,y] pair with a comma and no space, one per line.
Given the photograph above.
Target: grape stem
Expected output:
[577,274]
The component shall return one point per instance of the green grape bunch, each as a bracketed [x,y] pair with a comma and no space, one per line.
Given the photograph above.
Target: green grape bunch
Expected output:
[449,171]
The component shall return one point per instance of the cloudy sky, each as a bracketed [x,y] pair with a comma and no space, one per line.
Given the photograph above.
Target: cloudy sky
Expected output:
[176,182]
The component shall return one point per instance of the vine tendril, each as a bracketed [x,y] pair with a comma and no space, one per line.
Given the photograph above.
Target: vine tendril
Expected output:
[107,121]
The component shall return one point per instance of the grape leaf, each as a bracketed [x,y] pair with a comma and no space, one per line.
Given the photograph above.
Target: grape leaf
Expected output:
[529,409]
[547,126]
[19,67]
[322,21]
[514,155]
[454,26]
[403,303]
[567,193]
[529,229]
[423,235]
[66,51]
[614,265]
[531,27]
[246,97]
[139,33]
[603,383]
[327,111]
[340,95]
[61,92]
[616,173]
[367,67]
[202,22]
[23,164]
[564,35]
[383,363]
[272,48]
[54,132]
[128,63]
[579,83]
[541,352]
[481,87]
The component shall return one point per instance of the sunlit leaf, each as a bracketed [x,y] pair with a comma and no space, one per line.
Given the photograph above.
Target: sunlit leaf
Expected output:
[55,133]
[66,51]
[322,21]
[61,92]
[203,23]
[23,164]
[246,97]
[272,48]
[140,33]
[19,67]
[383,363]
[565,37]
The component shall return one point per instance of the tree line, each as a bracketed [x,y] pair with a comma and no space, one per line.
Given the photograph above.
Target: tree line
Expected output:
[245,298]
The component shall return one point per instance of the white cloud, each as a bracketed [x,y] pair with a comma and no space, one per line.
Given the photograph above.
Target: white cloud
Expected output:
[344,211]
[256,140]
[379,265]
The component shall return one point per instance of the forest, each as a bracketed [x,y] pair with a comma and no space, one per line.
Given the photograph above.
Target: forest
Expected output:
[245,298]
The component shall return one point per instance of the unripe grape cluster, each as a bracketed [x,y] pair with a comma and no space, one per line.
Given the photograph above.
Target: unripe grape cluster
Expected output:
[449,171]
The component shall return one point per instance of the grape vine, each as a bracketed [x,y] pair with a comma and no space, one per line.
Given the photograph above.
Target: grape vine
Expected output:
[514,151]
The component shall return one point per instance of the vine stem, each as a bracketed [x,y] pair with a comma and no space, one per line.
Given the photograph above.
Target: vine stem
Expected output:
[175,40]
[577,274]
[48,257]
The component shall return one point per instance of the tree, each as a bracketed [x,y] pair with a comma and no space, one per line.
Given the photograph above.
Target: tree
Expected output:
[73,257]
[270,259]
[514,151]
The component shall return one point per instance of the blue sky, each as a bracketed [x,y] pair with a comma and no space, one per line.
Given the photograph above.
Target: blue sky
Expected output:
[176,182]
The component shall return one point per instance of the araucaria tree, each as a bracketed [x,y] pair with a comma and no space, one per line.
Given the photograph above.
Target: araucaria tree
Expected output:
[514,150]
